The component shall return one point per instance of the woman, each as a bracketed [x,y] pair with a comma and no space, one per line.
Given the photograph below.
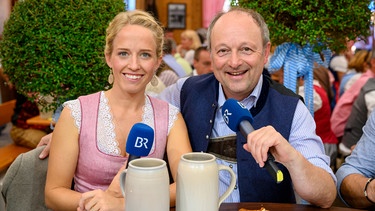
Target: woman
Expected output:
[92,151]
[358,64]
[189,43]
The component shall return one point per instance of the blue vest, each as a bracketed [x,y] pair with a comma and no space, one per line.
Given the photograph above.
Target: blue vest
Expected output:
[276,106]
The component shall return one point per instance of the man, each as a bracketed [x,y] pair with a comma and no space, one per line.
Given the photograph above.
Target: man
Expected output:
[354,177]
[361,110]
[283,124]
[202,61]
[169,49]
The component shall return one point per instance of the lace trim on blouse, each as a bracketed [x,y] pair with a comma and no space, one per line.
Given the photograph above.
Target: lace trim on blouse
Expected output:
[107,142]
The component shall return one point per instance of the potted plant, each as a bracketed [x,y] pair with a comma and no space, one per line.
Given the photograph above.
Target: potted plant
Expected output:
[55,48]
[308,30]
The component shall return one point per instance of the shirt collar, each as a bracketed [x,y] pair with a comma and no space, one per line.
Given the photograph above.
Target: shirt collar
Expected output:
[249,101]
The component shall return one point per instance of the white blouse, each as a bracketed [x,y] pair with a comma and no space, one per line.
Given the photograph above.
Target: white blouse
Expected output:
[106,136]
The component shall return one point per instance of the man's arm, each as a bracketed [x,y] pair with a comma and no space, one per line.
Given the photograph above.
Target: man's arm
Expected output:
[313,179]
[312,183]
[171,94]
[303,155]
[45,140]
[353,175]
[352,191]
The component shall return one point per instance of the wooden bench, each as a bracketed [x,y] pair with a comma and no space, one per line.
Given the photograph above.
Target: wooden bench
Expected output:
[8,153]
[6,111]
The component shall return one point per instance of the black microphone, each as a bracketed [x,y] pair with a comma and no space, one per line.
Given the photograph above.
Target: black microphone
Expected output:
[238,118]
[140,141]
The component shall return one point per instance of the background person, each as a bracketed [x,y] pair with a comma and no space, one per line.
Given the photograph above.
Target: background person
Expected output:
[343,107]
[202,61]
[322,96]
[166,74]
[356,173]
[361,110]
[190,41]
[358,64]
[169,50]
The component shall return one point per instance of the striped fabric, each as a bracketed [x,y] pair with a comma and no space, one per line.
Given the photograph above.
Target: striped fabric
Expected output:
[297,62]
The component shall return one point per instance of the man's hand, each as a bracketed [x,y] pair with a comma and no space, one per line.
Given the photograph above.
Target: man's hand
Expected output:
[265,139]
[45,140]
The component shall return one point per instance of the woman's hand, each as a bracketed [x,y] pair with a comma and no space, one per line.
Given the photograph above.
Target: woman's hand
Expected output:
[100,200]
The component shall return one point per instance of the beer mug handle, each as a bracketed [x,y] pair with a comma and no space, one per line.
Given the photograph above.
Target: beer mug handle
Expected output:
[122,181]
[231,186]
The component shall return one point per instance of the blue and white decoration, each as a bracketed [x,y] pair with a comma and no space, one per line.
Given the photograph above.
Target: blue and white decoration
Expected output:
[371,6]
[297,61]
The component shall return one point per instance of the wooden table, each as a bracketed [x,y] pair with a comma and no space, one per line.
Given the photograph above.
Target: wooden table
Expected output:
[37,120]
[274,206]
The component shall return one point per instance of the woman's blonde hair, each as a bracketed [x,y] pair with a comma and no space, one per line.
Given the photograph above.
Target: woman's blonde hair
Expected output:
[192,35]
[134,17]
[359,59]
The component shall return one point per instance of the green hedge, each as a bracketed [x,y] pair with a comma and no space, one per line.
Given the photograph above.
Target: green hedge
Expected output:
[57,47]
[314,21]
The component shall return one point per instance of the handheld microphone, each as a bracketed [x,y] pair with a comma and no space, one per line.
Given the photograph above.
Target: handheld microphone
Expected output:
[238,118]
[140,141]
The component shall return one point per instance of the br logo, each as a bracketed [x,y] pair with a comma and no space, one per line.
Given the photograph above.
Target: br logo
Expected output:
[226,116]
[141,141]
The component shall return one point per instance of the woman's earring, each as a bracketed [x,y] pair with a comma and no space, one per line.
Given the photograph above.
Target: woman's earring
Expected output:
[154,81]
[110,77]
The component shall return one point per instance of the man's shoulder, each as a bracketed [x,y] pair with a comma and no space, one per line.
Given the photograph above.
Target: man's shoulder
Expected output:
[203,80]
[201,87]
[281,89]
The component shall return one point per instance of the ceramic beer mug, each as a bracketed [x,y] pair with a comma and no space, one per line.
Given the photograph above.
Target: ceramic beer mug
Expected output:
[145,185]
[198,183]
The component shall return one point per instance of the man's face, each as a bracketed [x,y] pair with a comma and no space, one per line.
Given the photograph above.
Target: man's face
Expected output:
[238,54]
[203,64]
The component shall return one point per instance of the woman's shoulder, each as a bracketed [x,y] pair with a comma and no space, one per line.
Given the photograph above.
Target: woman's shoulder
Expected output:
[78,100]
[71,103]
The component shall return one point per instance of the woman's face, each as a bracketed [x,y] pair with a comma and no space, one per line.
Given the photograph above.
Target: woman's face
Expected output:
[186,42]
[133,59]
